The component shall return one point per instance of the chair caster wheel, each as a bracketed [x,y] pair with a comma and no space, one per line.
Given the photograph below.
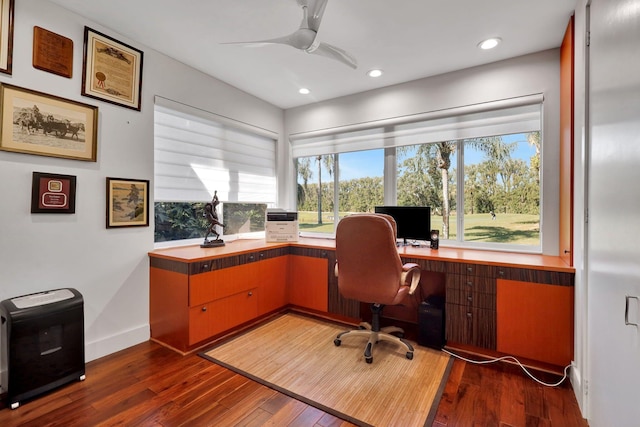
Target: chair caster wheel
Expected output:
[337,342]
[368,359]
[409,355]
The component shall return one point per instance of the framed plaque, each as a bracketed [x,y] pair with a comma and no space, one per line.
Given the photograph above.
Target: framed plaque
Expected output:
[53,193]
[52,52]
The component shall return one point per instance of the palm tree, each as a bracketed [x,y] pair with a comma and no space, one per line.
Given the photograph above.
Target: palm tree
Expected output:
[493,146]
[327,160]
[303,169]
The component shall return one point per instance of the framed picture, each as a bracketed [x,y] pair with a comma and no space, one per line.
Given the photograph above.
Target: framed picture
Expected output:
[6,35]
[53,193]
[127,202]
[111,70]
[36,123]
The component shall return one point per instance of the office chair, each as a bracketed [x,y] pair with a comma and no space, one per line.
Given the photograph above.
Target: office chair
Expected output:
[369,269]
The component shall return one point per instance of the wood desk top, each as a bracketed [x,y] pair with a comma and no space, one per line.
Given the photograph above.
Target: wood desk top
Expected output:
[195,253]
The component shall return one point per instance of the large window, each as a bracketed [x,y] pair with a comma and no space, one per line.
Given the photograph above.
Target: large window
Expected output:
[483,185]
[196,154]
[359,187]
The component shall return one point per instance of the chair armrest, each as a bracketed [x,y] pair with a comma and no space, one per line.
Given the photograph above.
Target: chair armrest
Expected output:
[410,270]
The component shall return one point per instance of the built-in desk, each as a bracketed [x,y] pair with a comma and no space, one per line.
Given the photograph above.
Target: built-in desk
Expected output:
[496,302]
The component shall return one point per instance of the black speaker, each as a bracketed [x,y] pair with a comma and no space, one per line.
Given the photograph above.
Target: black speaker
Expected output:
[431,322]
[42,343]
[435,239]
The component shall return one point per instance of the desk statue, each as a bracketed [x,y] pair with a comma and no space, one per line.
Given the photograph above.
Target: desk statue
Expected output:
[210,212]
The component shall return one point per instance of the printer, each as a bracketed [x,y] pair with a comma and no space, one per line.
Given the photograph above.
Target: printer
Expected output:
[281,226]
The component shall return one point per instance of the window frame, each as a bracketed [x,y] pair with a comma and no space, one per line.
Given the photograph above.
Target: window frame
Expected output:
[390,176]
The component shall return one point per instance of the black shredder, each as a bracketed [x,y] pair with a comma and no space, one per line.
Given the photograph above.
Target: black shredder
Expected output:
[431,322]
[41,343]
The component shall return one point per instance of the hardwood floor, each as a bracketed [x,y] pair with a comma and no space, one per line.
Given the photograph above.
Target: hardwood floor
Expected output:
[150,385]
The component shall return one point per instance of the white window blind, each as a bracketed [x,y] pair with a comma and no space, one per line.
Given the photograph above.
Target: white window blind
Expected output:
[515,115]
[197,153]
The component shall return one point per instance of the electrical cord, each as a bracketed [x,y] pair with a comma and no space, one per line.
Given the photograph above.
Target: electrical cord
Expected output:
[484,362]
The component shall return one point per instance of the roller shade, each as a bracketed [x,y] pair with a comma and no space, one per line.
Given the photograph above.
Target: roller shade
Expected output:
[522,114]
[197,153]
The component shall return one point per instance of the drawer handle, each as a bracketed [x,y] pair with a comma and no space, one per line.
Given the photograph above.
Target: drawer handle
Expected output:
[470,298]
[500,272]
[469,315]
[470,269]
[205,266]
[469,283]
[204,308]
[250,293]
[626,310]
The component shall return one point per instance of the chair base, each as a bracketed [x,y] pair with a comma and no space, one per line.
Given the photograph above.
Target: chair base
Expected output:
[376,334]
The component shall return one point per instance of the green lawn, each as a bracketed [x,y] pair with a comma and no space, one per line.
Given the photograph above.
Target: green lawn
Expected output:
[519,229]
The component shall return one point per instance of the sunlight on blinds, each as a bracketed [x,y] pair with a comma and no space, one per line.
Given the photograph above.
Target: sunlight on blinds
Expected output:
[195,156]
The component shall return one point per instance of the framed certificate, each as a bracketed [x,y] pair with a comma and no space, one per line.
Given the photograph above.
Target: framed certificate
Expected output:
[111,70]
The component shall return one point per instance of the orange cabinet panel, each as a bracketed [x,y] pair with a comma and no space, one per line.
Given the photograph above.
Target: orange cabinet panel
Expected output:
[308,278]
[167,306]
[535,321]
[222,314]
[272,284]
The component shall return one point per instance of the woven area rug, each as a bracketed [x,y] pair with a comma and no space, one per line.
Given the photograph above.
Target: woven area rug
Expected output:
[295,355]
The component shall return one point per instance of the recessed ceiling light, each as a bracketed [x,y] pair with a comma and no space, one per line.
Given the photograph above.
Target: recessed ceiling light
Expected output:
[304,91]
[489,43]
[374,73]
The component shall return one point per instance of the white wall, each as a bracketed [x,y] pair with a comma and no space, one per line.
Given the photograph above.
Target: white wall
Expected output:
[109,267]
[525,75]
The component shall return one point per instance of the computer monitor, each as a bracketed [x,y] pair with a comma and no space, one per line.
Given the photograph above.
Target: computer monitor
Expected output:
[412,222]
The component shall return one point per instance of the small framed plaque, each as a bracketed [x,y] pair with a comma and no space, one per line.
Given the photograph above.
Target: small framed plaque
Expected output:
[52,52]
[53,193]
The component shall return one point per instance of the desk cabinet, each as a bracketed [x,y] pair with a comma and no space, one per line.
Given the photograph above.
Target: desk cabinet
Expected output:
[308,282]
[535,321]
[272,278]
[470,307]
[222,299]
[517,304]
[191,302]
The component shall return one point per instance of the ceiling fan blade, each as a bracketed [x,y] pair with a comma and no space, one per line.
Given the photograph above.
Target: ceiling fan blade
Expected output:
[333,52]
[286,40]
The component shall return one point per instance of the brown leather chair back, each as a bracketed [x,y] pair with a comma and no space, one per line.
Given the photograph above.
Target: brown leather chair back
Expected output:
[369,266]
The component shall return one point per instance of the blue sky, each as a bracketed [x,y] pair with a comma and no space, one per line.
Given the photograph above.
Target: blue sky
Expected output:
[371,163]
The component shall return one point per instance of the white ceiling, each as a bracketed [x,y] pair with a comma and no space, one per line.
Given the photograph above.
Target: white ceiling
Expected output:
[408,39]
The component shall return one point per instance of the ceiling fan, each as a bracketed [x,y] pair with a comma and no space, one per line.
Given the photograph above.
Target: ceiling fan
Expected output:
[305,37]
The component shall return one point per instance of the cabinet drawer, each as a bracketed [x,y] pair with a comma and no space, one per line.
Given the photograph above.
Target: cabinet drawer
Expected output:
[218,316]
[218,284]
[469,298]
[471,326]
[486,285]
[463,268]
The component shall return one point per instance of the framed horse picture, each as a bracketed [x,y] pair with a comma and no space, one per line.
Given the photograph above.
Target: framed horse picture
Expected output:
[36,123]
